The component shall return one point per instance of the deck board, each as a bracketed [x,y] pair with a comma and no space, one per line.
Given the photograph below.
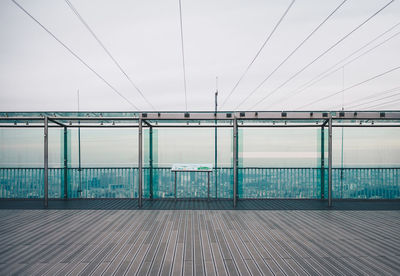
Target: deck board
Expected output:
[199,241]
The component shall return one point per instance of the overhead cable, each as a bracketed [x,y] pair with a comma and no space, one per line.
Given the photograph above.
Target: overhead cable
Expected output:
[75,55]
[292,53]
[351,87]
[183,54]
[75,11]
[259,51]
[322,54]
[328,72]
[356,102]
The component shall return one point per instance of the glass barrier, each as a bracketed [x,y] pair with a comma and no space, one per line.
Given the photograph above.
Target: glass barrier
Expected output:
[273,163]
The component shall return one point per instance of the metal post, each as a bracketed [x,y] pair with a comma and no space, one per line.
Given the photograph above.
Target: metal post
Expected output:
[330,164]
[175,185]
[208,183]
[46,161]
[151,160]
[235,161]
[65,163]
[322,163]
[140,163]
[216,147]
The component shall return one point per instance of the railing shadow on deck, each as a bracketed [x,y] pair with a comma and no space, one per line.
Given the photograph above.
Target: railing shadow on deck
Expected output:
[184,204]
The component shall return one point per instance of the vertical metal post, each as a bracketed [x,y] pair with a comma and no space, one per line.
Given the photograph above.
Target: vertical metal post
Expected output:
[151,160]
[216,146]
[235,161]
[140,162]
[322,162]
[330,163]
[208,184]
[175,184]
[46,161]
[65,163]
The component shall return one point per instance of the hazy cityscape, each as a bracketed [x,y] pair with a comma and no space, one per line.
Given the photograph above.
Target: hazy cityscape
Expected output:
[253,183]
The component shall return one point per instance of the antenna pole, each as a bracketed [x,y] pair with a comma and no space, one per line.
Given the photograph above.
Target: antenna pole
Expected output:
[216,140]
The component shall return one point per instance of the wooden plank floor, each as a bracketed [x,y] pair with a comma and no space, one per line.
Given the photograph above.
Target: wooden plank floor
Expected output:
[199,242]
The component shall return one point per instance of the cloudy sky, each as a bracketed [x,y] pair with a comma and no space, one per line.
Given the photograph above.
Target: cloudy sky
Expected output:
[221,38]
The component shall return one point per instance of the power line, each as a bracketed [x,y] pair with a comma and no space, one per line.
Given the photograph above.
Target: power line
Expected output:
[350,87]
[259,51]
[326,73]
[351,104]
[74,54]
[376,100]
[383,104]
[292,53]
[183,53]
[75,11]
[322,54]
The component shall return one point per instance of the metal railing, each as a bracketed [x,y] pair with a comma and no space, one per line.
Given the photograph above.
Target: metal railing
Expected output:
[348,183]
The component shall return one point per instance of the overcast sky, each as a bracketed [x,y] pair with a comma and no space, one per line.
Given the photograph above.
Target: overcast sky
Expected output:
[221,38]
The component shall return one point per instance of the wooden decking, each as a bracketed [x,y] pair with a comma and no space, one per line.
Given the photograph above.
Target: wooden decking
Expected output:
[199,242]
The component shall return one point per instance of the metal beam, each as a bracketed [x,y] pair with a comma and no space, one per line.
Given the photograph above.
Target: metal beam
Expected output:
[235,161]
[147,123]
[311,124]
[65,163]
[140,163]
[58,123]
[225,115]
[330,164]
[46,161]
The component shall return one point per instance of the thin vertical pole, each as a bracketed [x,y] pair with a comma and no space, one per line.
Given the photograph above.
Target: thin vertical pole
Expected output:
[151,160]
[330,164]
[140,162]
[65,163]
[235,161]
[322,162]
[175,184]
[46,161]
[208,184]
[216,144]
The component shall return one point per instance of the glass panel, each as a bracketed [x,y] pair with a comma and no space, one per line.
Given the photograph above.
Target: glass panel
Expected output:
[279,163]
[366,162]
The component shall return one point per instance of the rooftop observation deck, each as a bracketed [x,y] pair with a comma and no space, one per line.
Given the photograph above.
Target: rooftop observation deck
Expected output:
[320,198]
[259,237]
